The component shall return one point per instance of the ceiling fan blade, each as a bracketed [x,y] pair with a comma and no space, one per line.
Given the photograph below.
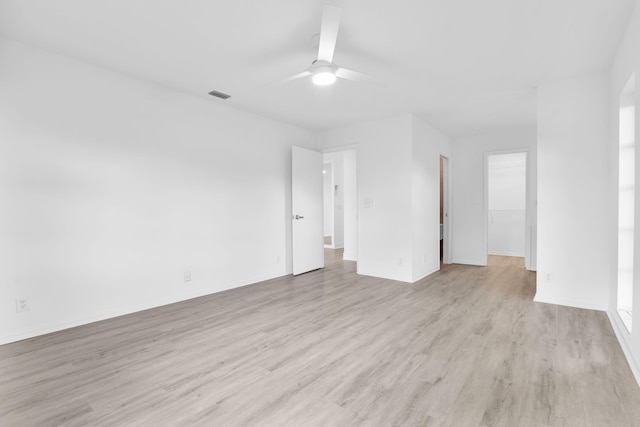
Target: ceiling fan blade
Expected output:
[344,73]
[329,32]
[291,78]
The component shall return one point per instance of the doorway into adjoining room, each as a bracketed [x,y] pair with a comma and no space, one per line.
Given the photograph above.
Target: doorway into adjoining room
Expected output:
[328,203]
[341,202]
[507,195]
[444,232]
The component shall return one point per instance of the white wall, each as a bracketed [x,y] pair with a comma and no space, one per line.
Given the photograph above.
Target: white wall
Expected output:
[573,192]
[627,61]
[469,200]
[507,184]
[428,145]
[384,192]
[111,188]
[350,205]
[399,197]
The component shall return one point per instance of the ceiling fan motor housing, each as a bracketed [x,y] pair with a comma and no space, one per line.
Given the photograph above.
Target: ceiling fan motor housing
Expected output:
[323,72]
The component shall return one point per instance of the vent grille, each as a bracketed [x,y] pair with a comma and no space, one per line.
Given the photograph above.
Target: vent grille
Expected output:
[219,94]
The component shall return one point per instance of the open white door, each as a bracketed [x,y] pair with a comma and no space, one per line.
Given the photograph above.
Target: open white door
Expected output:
[446,220]
[307,210]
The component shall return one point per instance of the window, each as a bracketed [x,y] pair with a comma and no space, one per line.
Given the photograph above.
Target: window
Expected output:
[626,201]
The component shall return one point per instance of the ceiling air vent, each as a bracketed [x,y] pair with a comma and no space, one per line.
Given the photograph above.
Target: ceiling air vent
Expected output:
[219,94]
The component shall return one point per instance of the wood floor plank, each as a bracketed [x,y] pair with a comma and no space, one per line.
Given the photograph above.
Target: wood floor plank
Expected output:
[466,346]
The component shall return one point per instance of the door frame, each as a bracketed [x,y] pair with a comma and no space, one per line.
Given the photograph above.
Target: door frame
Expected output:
[446,205]
[332,202]
[529,226]
[338,149]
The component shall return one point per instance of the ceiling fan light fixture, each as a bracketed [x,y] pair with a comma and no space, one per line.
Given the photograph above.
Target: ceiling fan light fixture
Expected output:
[323,77]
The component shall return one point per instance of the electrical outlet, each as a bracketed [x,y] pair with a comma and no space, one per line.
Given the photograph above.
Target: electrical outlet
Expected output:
[22,304]
[548,277]
[187,276]
[400,261]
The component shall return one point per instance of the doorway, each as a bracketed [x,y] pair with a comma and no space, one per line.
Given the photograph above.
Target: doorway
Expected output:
[445,246]
[507,204]
[328,203]
[341,201]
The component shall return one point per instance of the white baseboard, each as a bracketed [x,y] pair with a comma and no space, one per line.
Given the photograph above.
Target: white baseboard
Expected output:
[468,262]
[56,326]
[624,338]
[428,273]
[500,253]
[379,275]
[350,256]
[573,302]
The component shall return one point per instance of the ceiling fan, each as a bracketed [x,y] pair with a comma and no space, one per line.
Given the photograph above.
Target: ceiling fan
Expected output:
[323,71]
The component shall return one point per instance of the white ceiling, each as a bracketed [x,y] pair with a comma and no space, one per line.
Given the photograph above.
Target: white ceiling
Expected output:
[465,66]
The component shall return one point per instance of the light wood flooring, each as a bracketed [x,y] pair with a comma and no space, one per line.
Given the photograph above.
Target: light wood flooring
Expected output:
[465,347]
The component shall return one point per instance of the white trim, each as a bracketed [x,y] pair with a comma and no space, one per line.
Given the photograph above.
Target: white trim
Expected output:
[515,254]
[349,256]
[624,338]
[332,245]
[428,273]
[447,245]
[50,327]
[469,262]
[380,276]
[340,148]
[572,302]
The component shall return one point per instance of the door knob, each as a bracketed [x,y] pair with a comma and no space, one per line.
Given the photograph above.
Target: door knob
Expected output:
[299,217]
